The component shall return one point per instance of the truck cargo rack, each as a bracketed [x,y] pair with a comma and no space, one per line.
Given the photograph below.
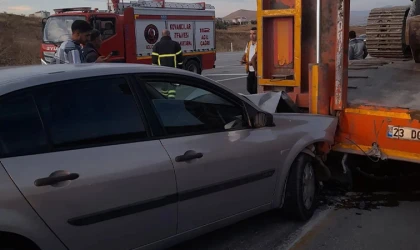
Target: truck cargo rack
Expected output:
[169,5]
[82,9]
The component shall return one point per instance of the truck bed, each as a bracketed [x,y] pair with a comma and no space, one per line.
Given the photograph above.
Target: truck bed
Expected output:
[385,83]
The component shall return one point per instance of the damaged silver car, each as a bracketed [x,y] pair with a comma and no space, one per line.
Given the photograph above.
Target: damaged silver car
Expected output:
[125,156]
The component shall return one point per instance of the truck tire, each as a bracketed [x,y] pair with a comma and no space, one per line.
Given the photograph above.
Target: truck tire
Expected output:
[193,66]
[301,189]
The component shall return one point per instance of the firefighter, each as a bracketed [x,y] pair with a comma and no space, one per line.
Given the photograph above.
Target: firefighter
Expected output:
[167,52]
[249,59]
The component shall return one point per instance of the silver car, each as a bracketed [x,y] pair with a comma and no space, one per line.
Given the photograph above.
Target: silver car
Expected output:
[100,156]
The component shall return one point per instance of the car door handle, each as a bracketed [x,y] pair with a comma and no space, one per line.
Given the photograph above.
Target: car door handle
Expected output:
[188,156]
[51,180]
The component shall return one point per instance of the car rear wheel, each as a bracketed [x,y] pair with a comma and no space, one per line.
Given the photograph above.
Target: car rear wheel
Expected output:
[301,189]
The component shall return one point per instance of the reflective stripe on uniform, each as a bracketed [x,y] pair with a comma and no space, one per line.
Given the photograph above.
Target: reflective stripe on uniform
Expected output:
[171,94]
[167,55]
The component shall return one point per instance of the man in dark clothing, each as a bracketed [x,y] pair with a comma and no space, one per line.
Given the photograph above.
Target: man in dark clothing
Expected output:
[167,52]
[90,50]
[357,47]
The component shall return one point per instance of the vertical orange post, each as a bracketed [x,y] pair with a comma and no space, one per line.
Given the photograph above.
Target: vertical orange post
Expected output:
[319,93]
[328,80]
[341,54]
[279,42]
[333,78]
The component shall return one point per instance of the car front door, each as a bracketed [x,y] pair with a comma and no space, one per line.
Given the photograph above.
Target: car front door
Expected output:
[219,160]
[80,153]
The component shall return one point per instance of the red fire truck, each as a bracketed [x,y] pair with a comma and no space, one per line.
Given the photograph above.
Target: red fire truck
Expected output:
[129,30]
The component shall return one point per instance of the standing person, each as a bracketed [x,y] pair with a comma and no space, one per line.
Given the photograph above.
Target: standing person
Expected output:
[249,59]
[70,52]
[357,47]
[90,50]
[167,52]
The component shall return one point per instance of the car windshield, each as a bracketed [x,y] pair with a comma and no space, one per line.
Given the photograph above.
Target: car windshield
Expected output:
[58,28]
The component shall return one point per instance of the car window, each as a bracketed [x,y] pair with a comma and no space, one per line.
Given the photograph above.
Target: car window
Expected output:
[185,109]
[21,130]
[83,113]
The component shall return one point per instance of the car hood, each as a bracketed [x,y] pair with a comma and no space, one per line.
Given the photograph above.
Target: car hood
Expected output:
[285,113]
[307,125]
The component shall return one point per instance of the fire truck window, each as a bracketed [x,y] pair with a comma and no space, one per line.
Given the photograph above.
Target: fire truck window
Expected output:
[107,28]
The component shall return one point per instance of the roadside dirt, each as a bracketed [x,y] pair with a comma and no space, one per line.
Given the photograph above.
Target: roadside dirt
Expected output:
[20,38]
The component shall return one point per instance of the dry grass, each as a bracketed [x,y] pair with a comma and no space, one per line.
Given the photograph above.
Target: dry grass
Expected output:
[238,35]
[225,37]
[20,39]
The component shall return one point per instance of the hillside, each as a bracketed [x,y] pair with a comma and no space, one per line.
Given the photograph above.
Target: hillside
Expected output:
[248,14]
[20,39]
[359,17]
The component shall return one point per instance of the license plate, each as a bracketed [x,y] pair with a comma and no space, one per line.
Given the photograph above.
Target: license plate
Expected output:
[403,133]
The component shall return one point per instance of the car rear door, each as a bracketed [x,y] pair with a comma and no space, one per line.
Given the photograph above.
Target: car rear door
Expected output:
[221,166]
[80,153]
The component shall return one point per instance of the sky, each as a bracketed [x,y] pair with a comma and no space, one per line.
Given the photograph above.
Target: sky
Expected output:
[223,7]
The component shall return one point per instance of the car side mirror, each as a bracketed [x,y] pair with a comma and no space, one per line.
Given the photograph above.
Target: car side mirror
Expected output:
[262,119]
[43,23]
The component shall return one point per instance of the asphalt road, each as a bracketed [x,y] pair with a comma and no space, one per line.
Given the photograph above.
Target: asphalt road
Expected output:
[354,221]
[229,72]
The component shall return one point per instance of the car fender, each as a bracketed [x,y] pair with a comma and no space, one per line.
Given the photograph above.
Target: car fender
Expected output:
[300,146]
[18,217]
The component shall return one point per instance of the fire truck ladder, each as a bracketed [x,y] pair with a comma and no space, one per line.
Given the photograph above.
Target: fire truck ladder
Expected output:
[170,5]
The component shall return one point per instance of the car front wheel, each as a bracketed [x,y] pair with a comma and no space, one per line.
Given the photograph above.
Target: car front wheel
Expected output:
[301,189]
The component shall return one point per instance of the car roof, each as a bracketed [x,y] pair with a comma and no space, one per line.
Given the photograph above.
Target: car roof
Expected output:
[20,77]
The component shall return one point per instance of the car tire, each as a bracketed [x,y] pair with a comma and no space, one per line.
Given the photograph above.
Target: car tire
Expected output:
[301,189]
[193,66]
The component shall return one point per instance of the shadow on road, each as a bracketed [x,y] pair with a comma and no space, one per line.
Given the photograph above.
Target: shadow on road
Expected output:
[265,231]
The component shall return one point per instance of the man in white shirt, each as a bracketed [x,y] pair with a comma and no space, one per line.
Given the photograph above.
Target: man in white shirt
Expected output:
[250,61]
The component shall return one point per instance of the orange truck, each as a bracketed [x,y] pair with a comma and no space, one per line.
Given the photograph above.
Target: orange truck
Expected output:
[129,30]
[303,50]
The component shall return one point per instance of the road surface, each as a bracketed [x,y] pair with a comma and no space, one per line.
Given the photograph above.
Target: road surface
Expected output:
[229,72]
[354,221]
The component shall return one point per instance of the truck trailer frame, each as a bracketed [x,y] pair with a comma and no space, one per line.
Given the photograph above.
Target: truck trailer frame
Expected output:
[376,100]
